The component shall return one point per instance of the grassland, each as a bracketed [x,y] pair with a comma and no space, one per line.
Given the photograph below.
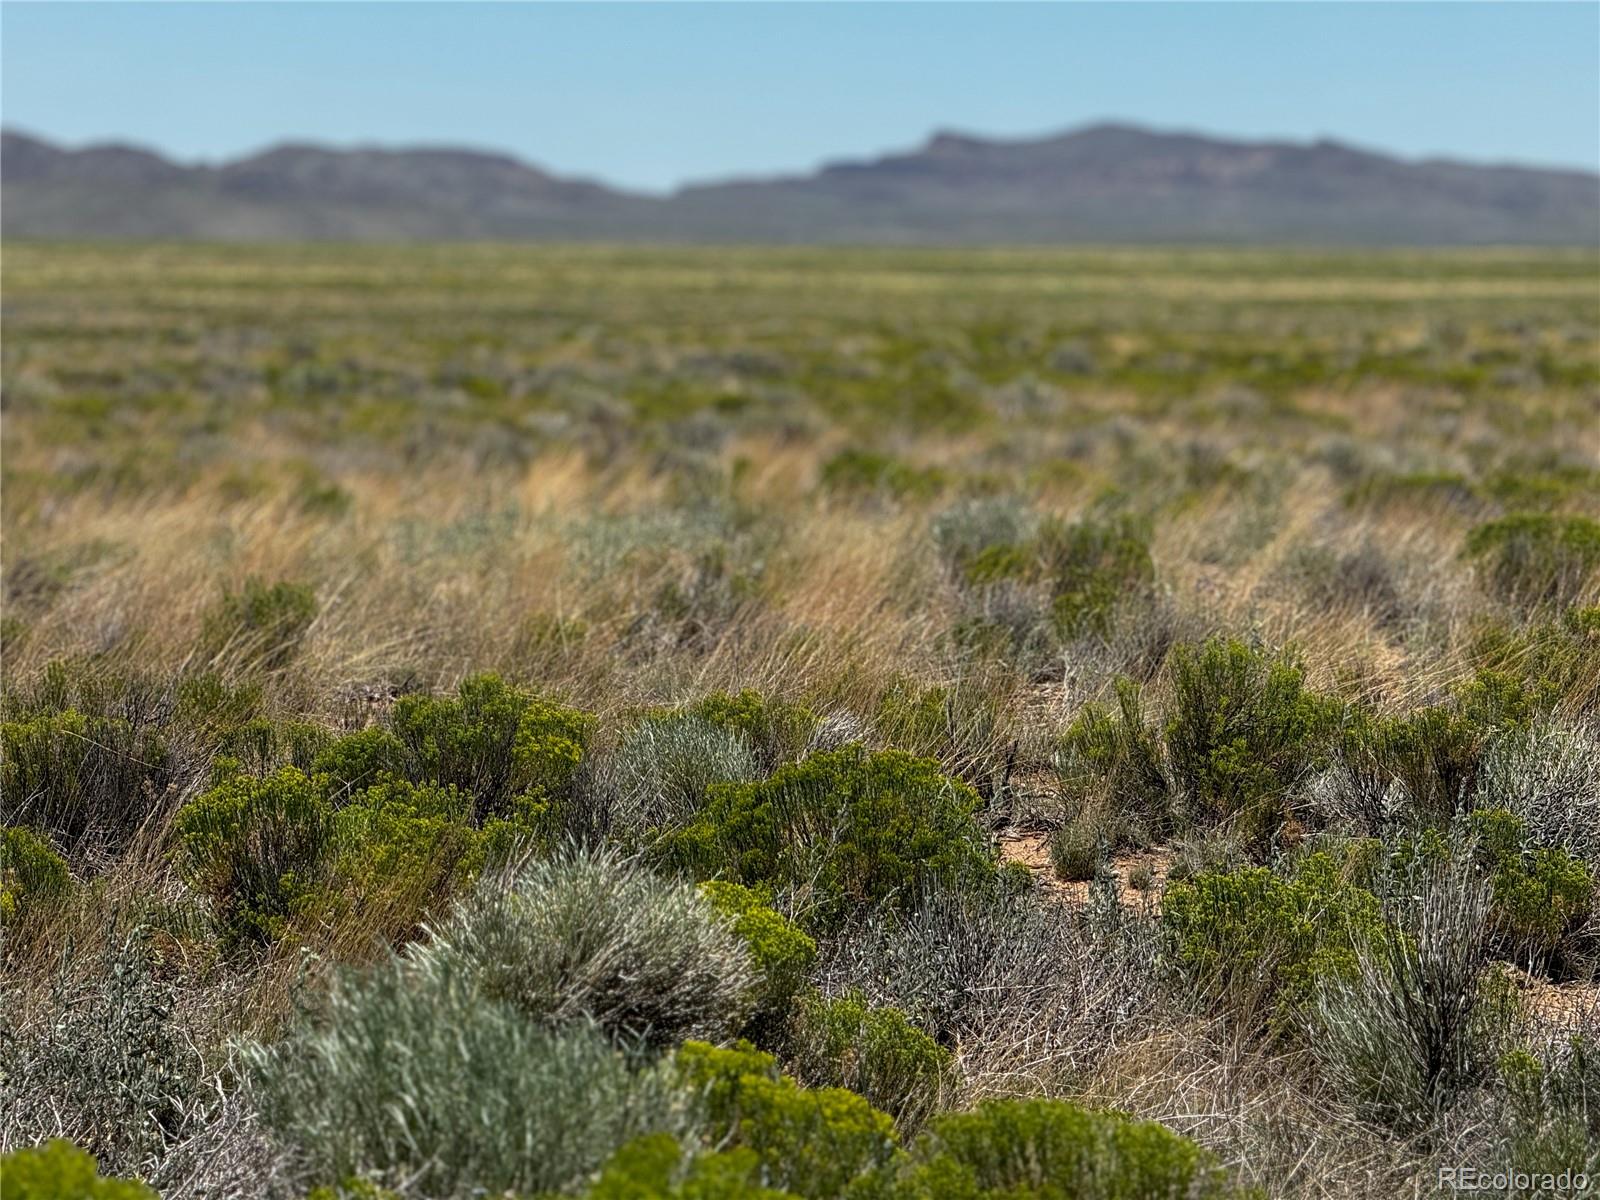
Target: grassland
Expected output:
[1248,600]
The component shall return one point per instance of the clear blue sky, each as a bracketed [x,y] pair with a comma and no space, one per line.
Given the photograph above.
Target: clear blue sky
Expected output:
[651,95]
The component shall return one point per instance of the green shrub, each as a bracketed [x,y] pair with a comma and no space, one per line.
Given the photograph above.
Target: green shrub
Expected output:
[1112,759]
[260,746]
[1554,659]
[493,741]
[1260,943]
[358,760]
[595,937]
[58,1170]
[990,528]
[655,1167]
[401,848]
[865,472]
[80,777]
[317,495]
[1538,488]
[212,704]
[258,848]
[1080,571]
[995,563]
[782,952]
[778,730]
[1536,558]
[262,625]
[1053,1150]
[1550,1122]
[875,1052]
[1435,754]
[1243,732]
[413,1079]
[1075,848]
[1541,893]
[1091,567]
[811,1142]
[531,827]
[31,873]
[1500,702]
[269,849]
[844,828]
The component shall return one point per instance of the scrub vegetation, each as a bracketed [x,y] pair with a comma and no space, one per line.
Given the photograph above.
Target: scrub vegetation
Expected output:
[629,723]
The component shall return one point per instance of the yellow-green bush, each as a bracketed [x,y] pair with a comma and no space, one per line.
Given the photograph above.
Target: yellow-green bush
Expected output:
[358,760]
[1553,659]
[655,1167]
[778,729]
[875,1052]
[959,724]
[1242,733]
[782,952]
[268,850]
[260,746]
[1260,943]
[1536,558]
[1540,892]
[857,472]
[81,776]
[259,849]
[58,1170]
[1435,754]
[1111,758]
[31,873]
[1053,1150]
[1550,1123]
[813,1142]
[847,828]
[1092,566]
[492,741]
[400,848]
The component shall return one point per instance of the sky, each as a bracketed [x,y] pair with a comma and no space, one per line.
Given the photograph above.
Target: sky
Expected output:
[652,95]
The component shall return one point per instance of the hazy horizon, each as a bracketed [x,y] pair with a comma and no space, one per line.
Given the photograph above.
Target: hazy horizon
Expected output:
[654,97]
[403,145]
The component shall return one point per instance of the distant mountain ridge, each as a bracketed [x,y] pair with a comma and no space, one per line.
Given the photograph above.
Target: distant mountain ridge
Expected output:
[1102,183]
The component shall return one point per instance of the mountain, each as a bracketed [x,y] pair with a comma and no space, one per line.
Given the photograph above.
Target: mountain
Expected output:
[1121,183]
[296,192]
[1104,183]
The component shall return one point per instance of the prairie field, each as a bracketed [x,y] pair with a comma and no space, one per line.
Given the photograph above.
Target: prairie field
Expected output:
[628,722]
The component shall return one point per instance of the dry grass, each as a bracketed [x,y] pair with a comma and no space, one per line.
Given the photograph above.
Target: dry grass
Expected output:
[601,473]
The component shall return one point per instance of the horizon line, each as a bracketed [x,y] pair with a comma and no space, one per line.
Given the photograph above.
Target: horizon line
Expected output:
[114,141]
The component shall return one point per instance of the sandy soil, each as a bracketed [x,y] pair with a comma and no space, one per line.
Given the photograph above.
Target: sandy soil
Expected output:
[1033,852]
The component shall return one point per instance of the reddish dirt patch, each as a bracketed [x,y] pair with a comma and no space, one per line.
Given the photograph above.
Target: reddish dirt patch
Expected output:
[1032,851]
[1559,1007]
